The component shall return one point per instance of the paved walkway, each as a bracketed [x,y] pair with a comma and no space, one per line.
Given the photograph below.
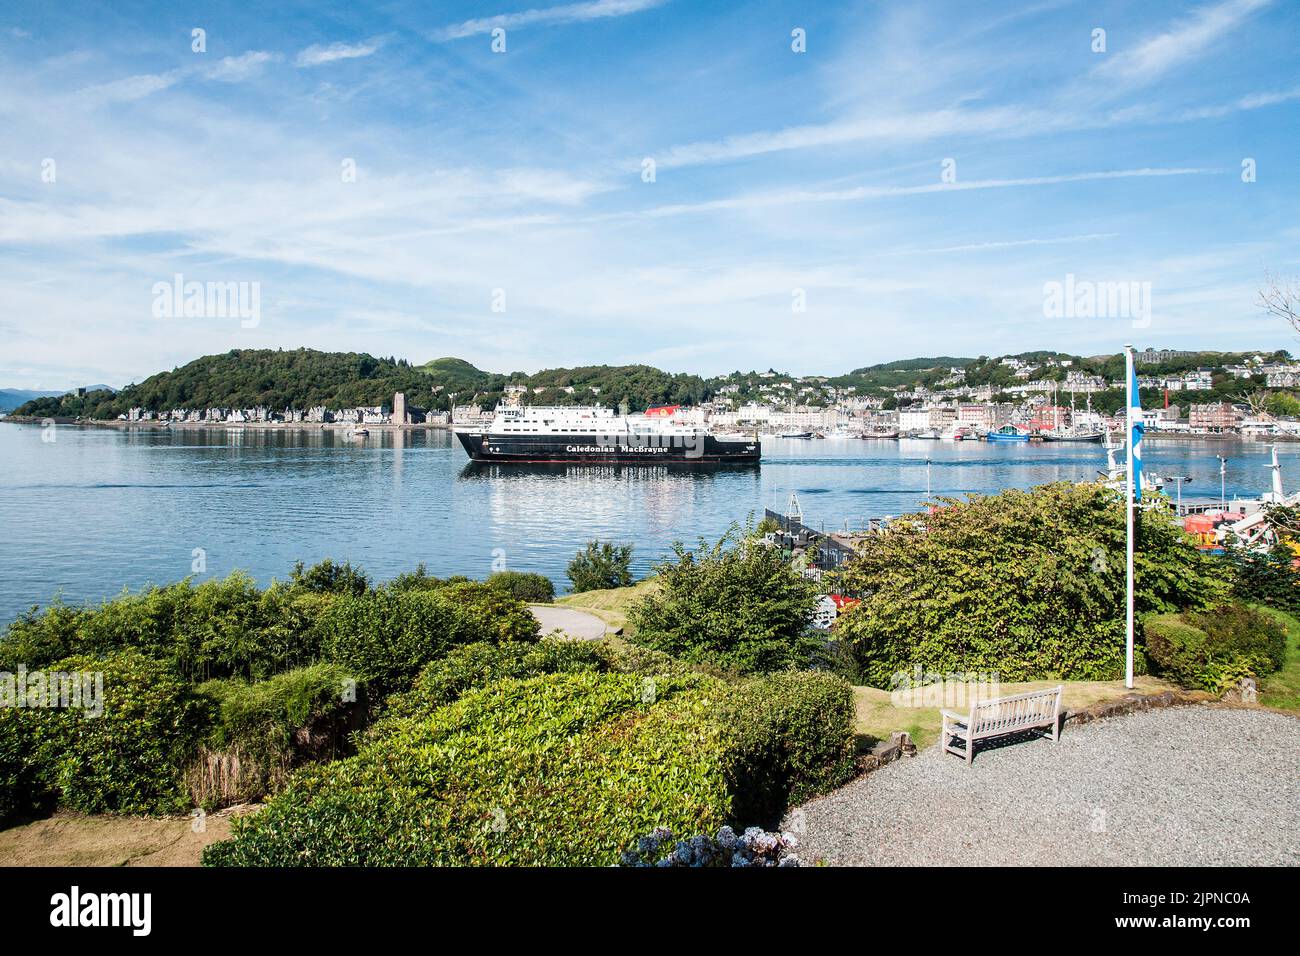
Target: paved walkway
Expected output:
[575,624]
[1182,786]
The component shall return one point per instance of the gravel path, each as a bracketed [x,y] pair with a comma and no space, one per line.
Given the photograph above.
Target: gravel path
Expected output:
[575,624]
[1179,786]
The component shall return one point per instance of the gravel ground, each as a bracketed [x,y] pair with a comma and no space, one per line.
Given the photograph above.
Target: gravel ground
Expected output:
[1180,786]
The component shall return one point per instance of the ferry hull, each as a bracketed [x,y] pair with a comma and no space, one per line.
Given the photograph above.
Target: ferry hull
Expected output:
[533,449]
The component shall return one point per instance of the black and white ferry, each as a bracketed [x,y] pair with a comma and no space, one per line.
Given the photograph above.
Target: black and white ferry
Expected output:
[542,434]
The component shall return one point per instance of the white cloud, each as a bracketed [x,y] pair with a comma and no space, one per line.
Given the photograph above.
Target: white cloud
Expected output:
[128,88]
[1019,243]
[236,69]
[316,54]
[1254,101]
[1153,58]
[568,13]
[858,193]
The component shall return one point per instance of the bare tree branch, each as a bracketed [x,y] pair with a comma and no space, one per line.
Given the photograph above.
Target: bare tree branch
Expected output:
[1281,297]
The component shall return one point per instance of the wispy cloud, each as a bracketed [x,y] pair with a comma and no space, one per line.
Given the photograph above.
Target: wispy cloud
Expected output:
[236,69]
[129,88]
[567,13]
[316,54]
[1186,40]
[1020,243]
[1254,101]
[859,193]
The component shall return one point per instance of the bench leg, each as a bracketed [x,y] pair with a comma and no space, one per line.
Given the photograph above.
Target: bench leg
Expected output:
[970,748]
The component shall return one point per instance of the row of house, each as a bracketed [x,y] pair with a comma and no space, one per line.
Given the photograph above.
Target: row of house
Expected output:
[399,413]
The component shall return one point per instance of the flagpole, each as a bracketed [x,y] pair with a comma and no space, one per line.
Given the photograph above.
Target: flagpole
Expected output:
[1128,512]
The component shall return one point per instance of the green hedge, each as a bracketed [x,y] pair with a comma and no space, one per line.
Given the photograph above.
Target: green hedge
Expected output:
[1213,649]
[793,738]
[563,769]
[558,769]
[476,665]
[127,759]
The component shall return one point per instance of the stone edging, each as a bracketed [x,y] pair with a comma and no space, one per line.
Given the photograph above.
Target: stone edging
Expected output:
[1133,703]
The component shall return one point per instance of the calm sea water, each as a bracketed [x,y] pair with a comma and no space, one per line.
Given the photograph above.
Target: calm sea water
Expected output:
[97,510]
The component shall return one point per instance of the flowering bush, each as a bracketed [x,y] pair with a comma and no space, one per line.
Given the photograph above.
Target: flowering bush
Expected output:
[754,847]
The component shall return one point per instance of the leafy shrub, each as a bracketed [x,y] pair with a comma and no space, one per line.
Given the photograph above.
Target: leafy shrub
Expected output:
[557,769]
[628,658]
[263,729]
[523,586]
[736,605]
[1208,649]
[127,759]
[219,628]
[421,580]
[21,789]
[1025,584]
[1268,578]
[601,565]
[792,738]
[490,611]
[385,637]
[326,577]
[563,769]
[477,665]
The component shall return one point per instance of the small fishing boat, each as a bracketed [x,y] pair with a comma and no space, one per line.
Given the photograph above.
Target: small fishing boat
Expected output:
[1071,435]
[808,435]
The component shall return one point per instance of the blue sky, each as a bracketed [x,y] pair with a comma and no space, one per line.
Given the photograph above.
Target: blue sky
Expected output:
[522,171]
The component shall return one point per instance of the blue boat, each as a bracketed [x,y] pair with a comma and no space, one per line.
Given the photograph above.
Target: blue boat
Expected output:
[1007,433]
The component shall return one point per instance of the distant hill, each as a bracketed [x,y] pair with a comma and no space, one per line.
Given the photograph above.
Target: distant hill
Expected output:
[278,379]
[457,375]
[915,365]
[303,378]
[12,398]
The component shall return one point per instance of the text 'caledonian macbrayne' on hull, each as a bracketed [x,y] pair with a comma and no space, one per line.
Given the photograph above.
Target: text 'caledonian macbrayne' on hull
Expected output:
[582,434]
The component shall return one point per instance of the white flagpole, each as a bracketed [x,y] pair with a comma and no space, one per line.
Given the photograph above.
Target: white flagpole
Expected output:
[1128,511]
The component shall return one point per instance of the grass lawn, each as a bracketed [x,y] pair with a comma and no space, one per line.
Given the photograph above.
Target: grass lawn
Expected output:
[1282,689]
[610,605]
[878,717]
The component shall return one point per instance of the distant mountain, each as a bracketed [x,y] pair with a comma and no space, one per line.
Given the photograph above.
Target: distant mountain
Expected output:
[11,398]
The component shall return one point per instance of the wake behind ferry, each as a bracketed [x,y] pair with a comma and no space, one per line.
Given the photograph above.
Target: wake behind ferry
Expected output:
[545,433]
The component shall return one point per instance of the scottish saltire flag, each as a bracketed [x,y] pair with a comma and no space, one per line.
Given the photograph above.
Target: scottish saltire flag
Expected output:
[1135,429]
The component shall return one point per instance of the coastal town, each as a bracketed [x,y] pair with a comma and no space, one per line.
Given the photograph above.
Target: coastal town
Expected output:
[1047,398]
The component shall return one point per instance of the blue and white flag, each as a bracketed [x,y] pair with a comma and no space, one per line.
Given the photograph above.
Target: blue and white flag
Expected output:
[1135,429]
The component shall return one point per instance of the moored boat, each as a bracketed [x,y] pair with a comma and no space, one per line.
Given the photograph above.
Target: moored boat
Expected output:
[544,434]
[1007,433]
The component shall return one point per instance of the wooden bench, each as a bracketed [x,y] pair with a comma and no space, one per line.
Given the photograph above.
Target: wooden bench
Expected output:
[1003,715]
